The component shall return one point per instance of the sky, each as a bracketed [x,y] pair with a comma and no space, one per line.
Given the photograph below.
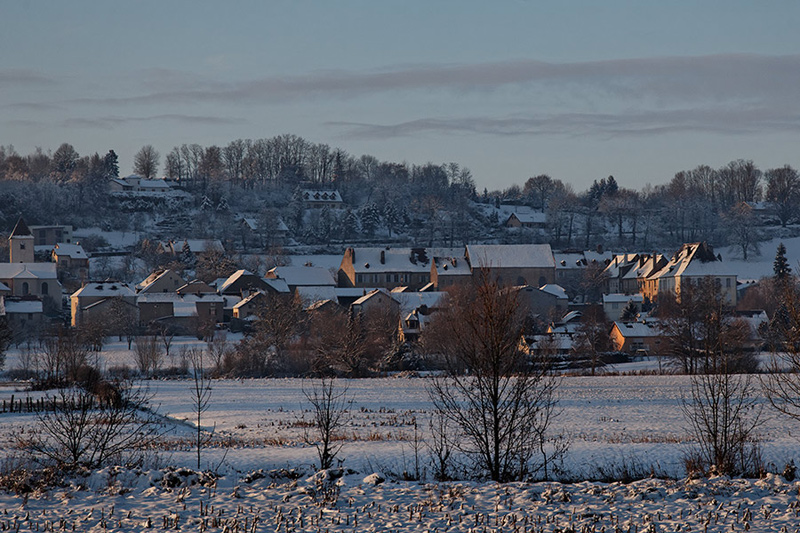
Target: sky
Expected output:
[579,90]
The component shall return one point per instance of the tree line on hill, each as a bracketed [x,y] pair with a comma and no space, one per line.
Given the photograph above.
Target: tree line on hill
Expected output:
[431,204]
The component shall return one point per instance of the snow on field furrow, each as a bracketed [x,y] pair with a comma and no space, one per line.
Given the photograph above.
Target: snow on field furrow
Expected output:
[130,503]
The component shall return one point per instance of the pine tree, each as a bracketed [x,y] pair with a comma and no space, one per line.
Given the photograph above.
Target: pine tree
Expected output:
[369,218]
[187,256]
[223,204]
[781,265]
[111,165]
[207,204]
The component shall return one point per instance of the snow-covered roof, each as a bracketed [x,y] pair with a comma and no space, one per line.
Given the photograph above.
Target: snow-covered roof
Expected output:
[154,184]
[556,290]
[638,329]
[394,260]
[526,215]
[303,276]
[569,260]
[375,293]
[165,297]
[316,293]
[314,195]
[74,251]
[233,278]
[329,261]
[4,287]
[511,255]
[23,306]
[412,300]
[104,289]
[622,298]
[279,285]
[200,245]
[28,271]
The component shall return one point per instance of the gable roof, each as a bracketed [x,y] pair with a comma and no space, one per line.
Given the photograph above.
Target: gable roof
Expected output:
[106,289]
[28,270]
[74,251]
[511,255]
[302,275]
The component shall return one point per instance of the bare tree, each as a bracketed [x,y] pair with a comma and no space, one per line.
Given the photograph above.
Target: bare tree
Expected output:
[200,395]
[497,396]
[146,161]
[91,430]
[723,417]
[217,347]
[147,354]
[783,192]
[782,382]
[329,412]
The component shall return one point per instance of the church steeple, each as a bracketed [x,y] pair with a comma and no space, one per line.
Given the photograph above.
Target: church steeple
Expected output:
[21,243]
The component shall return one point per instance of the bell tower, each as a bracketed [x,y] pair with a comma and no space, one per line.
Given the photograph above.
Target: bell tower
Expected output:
[21,244]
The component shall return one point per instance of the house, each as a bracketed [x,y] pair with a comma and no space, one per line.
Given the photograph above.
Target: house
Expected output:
[318,198]
[196,286]
[514,264]
[385,267]
[616,270]
[275,233]
[543,301]
[642,337]
[525,217]
[377,301]
[243,283]
[615,304]
[96,300]
[450,270]
[49,236]
[71,261]
[164,280]
[181,310]
[24,315]
[248,307]
[691,264]
[137,184]
[302,276]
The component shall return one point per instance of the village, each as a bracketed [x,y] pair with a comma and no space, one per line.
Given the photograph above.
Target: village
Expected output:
[578,303]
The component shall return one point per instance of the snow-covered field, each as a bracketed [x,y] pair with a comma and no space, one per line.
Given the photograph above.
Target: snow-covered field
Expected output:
[615,424]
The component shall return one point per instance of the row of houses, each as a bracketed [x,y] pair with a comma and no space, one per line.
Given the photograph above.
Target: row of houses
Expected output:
[537,265]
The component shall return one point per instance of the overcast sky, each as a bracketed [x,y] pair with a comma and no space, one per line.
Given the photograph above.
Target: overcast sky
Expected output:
[578,90]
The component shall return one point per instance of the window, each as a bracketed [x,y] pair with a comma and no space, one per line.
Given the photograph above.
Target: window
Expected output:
[25,288]
[45,289]
[728,282]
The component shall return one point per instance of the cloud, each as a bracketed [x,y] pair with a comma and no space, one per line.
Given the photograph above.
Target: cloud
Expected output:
[110,122]
[710,120]
[34,106]
[660,81]
[23,77]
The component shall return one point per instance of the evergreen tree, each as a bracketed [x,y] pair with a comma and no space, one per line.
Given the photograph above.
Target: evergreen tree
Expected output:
[207,204]
[111,165]
[369,218]
[187,256]
[630,312]
[349,224]
[391,217]
[781,265]
[223,204]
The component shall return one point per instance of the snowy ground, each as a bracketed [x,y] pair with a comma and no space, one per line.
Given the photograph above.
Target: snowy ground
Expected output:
[615,424]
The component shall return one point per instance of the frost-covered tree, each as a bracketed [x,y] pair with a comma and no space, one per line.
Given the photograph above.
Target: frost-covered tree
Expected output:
[146,161]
